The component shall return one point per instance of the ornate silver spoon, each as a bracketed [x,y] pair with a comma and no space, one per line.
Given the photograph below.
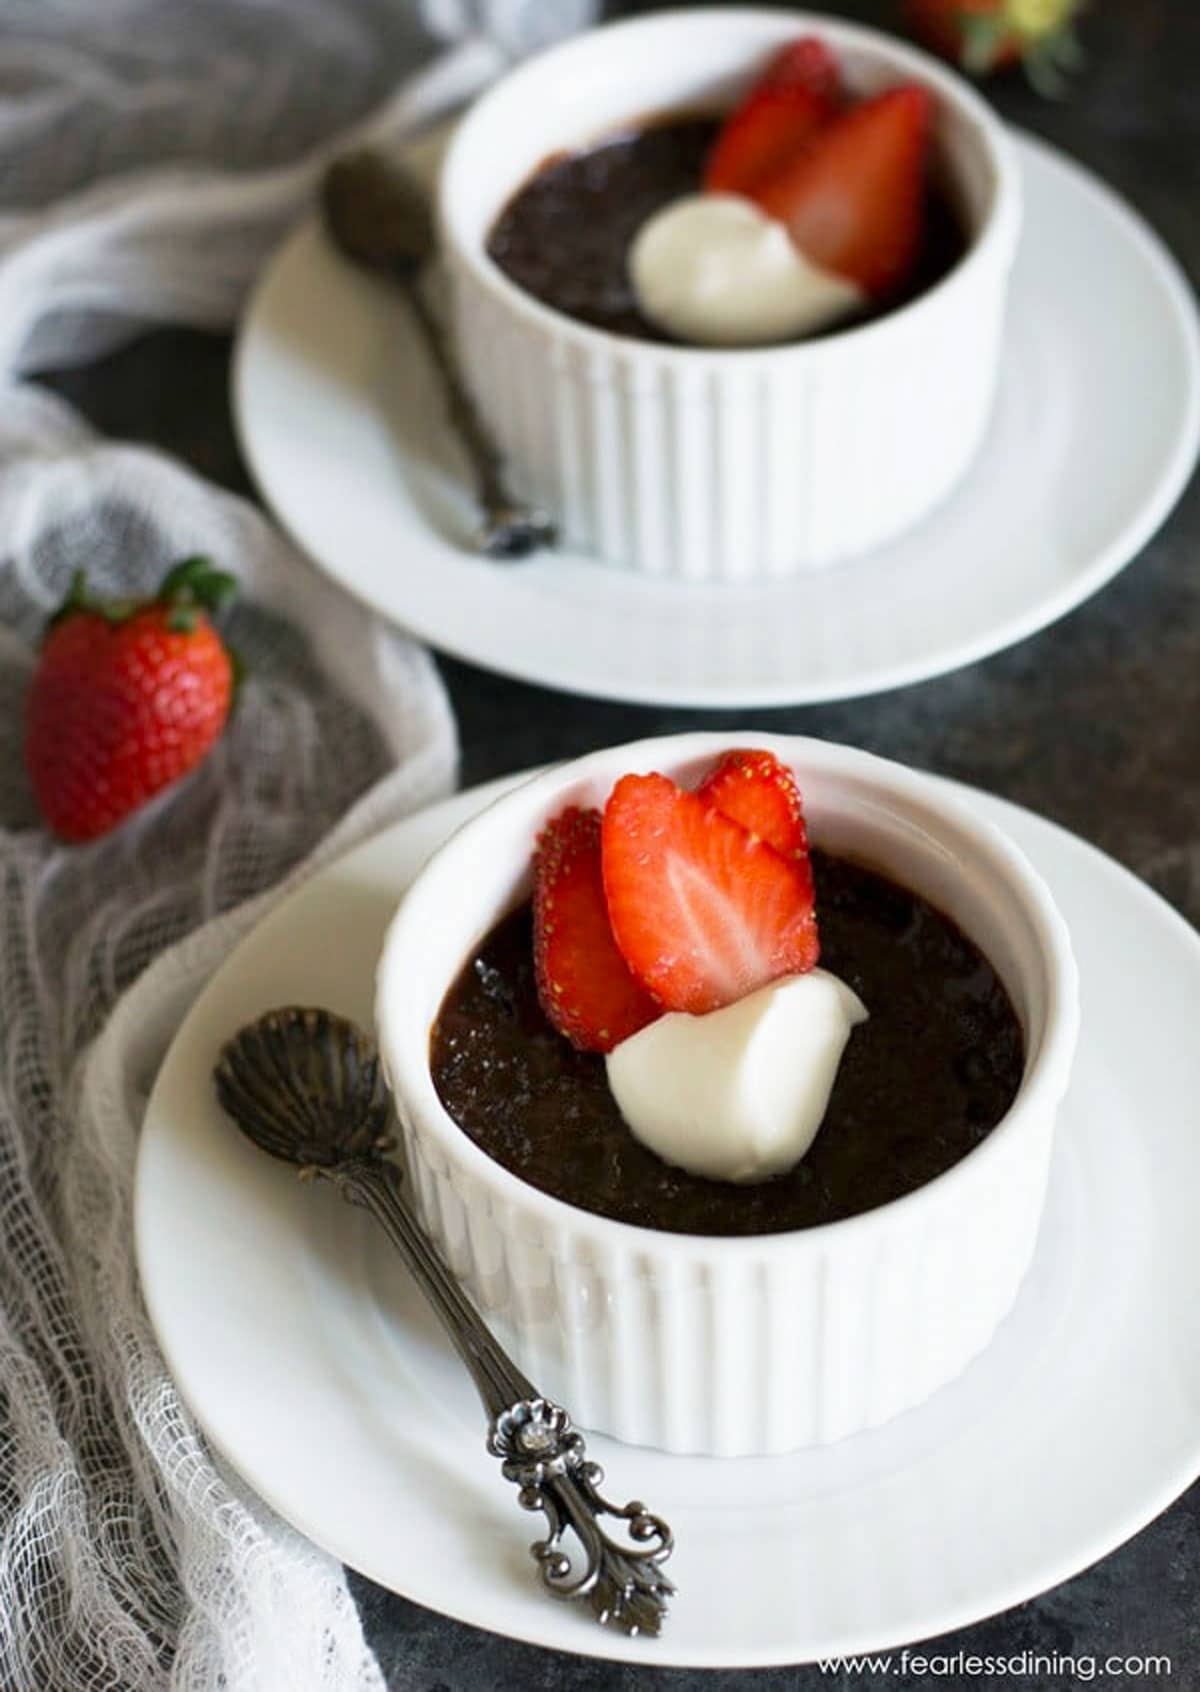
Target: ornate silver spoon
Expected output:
[379,218]
[307,1086]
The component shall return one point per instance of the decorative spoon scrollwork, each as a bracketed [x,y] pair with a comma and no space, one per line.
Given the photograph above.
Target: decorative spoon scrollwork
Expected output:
[308,1087]
[379,218]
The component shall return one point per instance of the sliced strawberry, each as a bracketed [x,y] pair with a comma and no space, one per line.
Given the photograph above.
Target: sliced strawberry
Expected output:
[759,792]
[702,910]
[806,63]
[799,91]
[854,198]
[584,983]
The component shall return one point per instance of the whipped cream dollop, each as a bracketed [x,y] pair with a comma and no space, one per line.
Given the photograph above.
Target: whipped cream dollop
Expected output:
[716,270]
[739,1093]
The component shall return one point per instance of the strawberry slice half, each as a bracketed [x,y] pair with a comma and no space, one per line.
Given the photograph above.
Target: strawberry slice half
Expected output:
[797,94]
[702,910]
[853,198]
[756,790]
[759,792]
[585,986]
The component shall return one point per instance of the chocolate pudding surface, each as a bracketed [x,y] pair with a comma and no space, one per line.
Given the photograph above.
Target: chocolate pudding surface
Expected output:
[922,1081]
[565,234]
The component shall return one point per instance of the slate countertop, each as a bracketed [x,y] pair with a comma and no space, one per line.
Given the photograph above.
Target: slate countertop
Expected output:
[1095,722]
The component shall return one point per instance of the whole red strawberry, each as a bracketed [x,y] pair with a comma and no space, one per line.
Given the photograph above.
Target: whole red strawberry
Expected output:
[127,697]
[985,35]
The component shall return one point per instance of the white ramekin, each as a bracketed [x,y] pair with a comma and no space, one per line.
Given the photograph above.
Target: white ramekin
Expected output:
[761,1344]
[708,466]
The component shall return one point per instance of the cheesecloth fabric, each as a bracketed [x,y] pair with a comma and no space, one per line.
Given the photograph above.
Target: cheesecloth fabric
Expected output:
[150,155]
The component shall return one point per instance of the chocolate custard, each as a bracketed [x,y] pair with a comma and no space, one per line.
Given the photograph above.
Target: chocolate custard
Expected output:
[564,236]
[921,1083]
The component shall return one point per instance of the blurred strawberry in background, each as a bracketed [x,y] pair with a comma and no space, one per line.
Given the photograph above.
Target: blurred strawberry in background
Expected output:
[982,36]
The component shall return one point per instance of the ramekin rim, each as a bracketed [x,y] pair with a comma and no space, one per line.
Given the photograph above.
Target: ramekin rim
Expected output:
[1043,1085]
[1000,228]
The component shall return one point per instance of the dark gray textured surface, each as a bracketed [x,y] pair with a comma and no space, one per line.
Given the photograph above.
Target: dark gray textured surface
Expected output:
[1095,722]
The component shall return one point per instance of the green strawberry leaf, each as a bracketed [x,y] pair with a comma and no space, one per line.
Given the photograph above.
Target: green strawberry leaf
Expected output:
[196,581]
[77,599]
[1042,68]
[1069,51]
[983,37]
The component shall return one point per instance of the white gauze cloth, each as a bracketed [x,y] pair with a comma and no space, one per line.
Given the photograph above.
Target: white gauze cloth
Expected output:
[150,156]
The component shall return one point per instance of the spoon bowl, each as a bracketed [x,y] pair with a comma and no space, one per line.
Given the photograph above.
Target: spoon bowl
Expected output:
[377,213]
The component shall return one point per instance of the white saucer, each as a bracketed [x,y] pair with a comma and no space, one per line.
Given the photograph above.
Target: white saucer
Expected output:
[1094,437]
[312,1364]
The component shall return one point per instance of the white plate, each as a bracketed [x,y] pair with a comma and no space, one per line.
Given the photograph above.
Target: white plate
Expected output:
[1094,437]
[311,1363]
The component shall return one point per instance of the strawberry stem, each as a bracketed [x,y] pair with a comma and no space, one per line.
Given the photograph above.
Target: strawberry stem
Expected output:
[189,587]
[79,598]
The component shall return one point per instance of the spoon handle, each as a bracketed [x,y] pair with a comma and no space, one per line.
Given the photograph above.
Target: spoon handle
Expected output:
[510,529]
[539,1450]
[375,1185]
